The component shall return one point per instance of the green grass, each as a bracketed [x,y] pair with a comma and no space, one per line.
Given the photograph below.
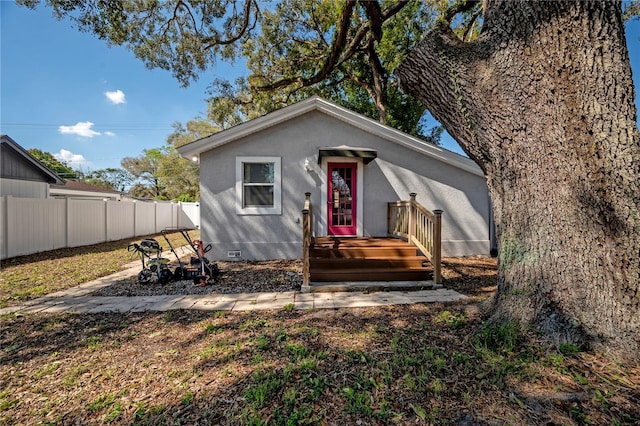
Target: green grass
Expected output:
[419,364]
[28,277]
[389,365]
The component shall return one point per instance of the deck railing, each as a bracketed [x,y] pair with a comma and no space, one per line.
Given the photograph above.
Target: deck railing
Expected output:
[419,226]
[306,241]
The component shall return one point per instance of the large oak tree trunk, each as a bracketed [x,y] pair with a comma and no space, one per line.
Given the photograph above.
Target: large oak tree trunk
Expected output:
[543,101]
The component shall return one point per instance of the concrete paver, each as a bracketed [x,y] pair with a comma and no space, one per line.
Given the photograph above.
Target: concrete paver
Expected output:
[80,300]
[218,305]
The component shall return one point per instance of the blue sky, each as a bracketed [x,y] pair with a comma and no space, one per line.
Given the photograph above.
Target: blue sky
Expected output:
[68,93]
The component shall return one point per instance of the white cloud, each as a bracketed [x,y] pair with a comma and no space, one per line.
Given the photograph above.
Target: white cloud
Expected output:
[70,158]
[81,128]
[108,133]
[116,97]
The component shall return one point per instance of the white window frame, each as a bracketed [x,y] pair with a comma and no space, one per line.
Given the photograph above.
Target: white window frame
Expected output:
[277,186]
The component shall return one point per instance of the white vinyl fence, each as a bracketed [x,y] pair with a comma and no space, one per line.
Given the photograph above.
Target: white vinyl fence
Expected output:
[32,225]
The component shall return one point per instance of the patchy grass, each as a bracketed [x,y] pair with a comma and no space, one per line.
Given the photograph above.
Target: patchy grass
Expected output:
[28,277]
[402,365]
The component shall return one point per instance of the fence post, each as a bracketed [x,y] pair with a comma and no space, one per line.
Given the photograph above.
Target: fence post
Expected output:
[155,217]
[106,220]
[67,220]
[174,214]
[437,246]
[135,214]
[412,215]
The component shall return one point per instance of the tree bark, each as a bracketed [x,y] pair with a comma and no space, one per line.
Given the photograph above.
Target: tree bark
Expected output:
[543,101]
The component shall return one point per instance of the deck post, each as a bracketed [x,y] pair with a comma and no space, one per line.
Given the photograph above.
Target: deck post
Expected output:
[306,243]
[412,216]
[437,246]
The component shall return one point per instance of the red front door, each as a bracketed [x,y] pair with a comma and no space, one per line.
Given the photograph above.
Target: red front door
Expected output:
[342,198]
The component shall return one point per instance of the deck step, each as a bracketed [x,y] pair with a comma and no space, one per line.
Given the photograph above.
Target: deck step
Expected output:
[368,286]
[392,274]
[367,263]
[363,252]
[371,259]
[334,242]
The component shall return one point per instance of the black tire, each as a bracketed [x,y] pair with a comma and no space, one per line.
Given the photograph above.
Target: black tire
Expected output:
[214,271]
[164,276]
[145,276]
[178,275]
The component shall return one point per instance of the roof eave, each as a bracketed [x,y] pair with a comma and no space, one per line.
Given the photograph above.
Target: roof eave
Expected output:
[357,120]
[44,169]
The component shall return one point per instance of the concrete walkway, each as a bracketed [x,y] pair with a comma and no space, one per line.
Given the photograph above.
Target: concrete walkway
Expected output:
[79,299]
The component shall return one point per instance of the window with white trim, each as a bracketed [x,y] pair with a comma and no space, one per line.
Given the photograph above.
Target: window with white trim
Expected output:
[258,185]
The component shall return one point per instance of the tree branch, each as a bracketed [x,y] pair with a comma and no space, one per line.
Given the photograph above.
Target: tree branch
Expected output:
[211,42]
[459,7]
[341,52]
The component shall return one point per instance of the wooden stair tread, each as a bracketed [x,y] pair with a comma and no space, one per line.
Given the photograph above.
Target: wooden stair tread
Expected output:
[374,258]
[346,258]
[363,242]
[355,263]
[407,268]
[364,252]
[372,275]
[366,259]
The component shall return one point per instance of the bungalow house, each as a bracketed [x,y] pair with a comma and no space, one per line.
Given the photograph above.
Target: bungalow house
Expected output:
[254,176]
[21,175]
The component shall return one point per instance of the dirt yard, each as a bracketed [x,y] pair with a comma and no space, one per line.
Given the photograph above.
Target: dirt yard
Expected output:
[397,365]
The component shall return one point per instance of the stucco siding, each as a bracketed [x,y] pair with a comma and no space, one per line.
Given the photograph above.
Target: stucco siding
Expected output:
[395,173]
[269,236]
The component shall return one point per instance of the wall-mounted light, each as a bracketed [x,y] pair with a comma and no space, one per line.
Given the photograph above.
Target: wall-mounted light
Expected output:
[307,165]
[195,159]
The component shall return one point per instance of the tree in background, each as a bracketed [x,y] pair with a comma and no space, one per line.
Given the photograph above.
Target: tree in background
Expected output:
[61,168]
[543,101]
[109,178]
[161,173]
[145,171]
[181,176]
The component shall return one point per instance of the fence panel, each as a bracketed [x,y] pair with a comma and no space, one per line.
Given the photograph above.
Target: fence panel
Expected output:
[145,220]
[189,215]
[164,216]
[86,222]
[120,220]
[34,225]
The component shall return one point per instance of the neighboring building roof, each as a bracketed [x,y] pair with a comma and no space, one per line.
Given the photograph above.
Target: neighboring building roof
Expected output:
[82,186]
[17,163]
[316,103]
[76,188]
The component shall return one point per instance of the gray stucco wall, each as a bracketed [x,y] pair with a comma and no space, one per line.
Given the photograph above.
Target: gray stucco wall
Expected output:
[392,176]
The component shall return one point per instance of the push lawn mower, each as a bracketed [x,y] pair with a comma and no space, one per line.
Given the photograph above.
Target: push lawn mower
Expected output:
[156,268]
[200,270]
